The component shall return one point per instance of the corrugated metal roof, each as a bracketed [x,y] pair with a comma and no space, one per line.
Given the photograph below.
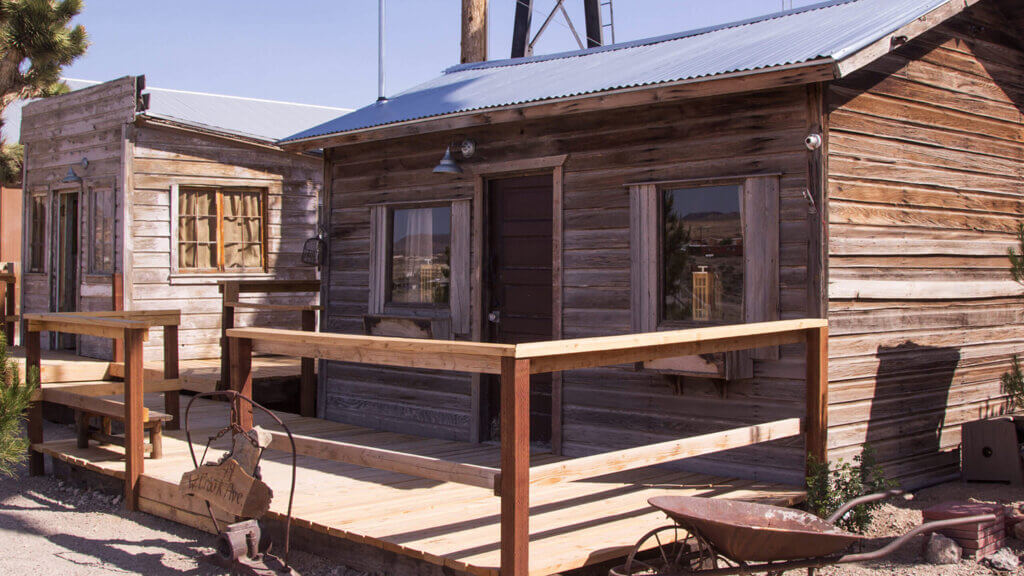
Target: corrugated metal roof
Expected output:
[829,30]
[267,120]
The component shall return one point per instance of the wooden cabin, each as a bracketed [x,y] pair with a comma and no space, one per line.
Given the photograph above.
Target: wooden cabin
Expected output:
[143,199]
[851,160]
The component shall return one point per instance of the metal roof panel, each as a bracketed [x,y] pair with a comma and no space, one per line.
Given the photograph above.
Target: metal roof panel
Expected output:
[832,29]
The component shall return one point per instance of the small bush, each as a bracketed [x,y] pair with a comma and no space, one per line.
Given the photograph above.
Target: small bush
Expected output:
[1013,385]
[828,488]
[15,398]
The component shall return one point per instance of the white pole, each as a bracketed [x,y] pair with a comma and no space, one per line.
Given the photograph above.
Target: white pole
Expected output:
[380,52]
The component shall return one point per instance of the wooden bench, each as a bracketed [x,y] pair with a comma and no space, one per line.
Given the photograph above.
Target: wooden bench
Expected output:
[112,410]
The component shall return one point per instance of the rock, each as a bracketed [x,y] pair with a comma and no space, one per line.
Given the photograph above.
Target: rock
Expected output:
[941,550]
[1003,560]
[1018,531]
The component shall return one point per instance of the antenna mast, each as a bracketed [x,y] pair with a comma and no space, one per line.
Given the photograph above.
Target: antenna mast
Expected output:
[380,52]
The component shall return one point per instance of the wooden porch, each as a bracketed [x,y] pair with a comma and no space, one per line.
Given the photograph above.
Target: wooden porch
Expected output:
[447,524]
[477,508]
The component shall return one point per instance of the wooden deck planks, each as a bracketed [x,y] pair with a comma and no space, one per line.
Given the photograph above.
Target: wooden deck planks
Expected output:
[571,524]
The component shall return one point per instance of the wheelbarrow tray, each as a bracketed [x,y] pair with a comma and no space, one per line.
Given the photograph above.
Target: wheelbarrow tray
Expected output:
[749,532]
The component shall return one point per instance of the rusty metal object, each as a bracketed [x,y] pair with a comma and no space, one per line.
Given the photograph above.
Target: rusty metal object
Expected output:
[714,537]
[239,545]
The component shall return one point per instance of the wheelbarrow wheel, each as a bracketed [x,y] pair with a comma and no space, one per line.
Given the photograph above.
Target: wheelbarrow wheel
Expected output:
[667,551]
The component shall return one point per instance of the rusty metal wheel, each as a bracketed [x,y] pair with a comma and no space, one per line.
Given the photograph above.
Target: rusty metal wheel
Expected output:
[667,551]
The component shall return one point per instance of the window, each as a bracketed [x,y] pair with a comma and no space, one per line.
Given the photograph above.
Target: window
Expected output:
[221,229]
[420,256]
[37,232]
[701,254]
[420,262]
[706,252]
[101,229]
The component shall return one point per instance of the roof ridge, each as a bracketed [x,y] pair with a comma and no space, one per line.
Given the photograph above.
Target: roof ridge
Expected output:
[246,98]
[509,62]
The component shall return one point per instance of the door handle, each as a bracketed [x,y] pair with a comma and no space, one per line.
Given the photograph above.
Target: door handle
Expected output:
[494,317]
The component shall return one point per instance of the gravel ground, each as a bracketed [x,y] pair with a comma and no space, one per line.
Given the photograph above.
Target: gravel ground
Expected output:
[899,516]
[49,527]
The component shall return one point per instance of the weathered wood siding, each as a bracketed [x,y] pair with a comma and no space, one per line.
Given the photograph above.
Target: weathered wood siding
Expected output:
[925,149]
[607,408]
[57,133]
[163,157]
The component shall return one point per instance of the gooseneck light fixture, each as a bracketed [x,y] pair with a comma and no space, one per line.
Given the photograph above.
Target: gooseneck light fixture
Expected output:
[72,177]
[448,165]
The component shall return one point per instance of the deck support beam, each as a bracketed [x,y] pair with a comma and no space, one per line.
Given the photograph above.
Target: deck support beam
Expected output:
[307,382]
[36,464]
[172,401]
[134,414]
[515,467]
[817,394]
[9,308]
[241,374]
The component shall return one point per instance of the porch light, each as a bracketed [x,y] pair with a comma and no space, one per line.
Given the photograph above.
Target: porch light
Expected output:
[448,165]
[71,177]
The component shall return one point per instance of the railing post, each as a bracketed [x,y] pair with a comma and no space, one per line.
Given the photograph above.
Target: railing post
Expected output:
[9,305]
[133,408]
[307,383]
[172,403]
[241,373]
[36,465]
[515,467]
[229,293]
[817,394]
[117,304]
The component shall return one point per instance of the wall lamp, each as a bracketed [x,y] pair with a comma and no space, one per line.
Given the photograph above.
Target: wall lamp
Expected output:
[448,165]
[71,176]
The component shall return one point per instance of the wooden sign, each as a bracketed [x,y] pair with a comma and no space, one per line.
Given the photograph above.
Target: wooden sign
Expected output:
[228,487]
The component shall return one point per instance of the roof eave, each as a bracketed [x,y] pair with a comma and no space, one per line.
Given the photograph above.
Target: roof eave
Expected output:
[812,71]
[196,128]
[860,56]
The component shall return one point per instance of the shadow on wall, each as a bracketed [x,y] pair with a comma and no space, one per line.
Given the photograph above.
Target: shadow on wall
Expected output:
[908,408]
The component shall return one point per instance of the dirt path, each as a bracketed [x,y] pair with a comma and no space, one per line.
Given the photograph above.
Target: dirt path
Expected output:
[50,528]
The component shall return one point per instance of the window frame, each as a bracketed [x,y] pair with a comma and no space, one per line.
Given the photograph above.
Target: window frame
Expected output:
[43,242]
[459,307]
[391,306]
[92,203]
[660,322]
[221,270]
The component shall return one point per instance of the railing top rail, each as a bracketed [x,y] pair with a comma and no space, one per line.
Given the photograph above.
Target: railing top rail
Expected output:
[8,277]
[245,286]
[544,356]
[150,318]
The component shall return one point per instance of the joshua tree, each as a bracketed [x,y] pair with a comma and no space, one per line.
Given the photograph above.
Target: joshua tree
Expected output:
[36,41]
[14,399]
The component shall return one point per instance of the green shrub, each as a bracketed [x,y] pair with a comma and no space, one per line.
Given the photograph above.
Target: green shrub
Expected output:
[1013,384]
[15,398]
[828,488]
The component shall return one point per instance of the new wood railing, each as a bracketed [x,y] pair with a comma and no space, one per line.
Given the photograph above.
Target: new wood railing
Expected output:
[231,291]
[515,364]
[131,328]
[9,279]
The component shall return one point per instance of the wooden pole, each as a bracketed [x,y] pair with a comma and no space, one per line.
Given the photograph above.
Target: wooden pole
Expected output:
[133,414]
[515,467]
[229,293]
[172,401]
[9,306]
[474,31]
[36,465]
[817,393]
[307,384]
[117,304]
[241,372]
[521,28]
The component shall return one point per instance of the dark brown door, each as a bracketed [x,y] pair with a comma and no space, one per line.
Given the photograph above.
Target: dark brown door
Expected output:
[518,296]
[65,261]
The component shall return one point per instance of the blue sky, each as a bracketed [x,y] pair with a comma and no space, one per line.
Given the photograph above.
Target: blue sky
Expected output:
[325,51]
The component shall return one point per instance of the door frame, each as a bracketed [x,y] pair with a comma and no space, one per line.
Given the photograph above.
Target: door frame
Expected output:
[54,255]
[482,174]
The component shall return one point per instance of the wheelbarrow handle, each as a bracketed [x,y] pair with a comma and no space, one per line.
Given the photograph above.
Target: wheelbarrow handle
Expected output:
[923,528]
[862,500]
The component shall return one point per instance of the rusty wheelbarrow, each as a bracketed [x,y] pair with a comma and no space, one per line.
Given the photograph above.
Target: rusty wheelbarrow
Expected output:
[714,537]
